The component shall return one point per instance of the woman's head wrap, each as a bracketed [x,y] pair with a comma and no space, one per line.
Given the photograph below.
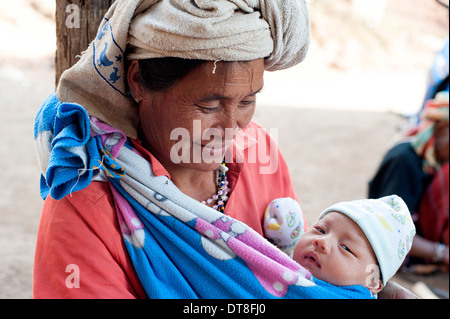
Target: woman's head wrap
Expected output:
[423,137]
[212,30]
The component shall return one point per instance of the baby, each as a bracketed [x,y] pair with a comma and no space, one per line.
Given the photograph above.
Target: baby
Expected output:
[361,242]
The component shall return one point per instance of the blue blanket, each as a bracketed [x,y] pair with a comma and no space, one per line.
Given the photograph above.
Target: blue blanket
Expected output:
[179,247]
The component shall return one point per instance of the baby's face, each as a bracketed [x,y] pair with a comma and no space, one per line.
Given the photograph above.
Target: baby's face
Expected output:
[336,250]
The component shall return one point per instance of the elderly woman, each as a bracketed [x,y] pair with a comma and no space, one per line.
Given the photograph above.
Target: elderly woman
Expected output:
[152,170]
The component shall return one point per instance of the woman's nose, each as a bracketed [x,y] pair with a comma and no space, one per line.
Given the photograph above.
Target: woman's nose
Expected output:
[228,124]
[231,119]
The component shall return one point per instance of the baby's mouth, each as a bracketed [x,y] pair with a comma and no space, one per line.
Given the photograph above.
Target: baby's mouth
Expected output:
[312,258]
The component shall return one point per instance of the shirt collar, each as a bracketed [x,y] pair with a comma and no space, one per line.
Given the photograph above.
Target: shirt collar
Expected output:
[157,167]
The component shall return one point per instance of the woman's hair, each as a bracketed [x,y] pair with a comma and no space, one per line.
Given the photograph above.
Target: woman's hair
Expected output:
[160,74]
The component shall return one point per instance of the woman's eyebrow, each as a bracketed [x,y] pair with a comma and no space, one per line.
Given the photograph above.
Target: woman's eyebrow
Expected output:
[215,97]
[218,97]
[258,91]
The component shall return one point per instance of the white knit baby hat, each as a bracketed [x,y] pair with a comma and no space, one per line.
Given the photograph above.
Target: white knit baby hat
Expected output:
[388,226]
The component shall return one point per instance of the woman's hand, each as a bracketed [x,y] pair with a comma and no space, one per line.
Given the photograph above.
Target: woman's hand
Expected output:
[395,291]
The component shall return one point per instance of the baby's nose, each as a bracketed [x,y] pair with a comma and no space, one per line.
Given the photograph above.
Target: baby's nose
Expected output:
[322,245]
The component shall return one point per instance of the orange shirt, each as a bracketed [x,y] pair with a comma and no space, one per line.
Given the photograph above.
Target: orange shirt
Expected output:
[80,252]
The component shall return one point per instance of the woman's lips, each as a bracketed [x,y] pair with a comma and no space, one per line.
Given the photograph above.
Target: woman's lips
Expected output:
[213,149]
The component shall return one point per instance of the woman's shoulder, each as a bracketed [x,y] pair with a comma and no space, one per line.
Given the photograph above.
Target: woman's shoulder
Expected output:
[92,206]
[97,193]
[403,156]
[82,229]
[255,145]
[90,210]
[402,149]
[255,130]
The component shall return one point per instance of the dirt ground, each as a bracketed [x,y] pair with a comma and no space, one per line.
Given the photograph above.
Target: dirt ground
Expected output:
[336,114]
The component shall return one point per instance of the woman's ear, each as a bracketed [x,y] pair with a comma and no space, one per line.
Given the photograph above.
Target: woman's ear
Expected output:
[133,81]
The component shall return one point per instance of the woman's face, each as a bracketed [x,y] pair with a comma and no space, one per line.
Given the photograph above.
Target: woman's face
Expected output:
[192,123]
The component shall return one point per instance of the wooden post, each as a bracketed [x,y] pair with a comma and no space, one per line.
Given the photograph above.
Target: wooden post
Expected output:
[77,22]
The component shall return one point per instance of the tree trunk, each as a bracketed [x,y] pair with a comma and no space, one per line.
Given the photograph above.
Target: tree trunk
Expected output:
[77,22]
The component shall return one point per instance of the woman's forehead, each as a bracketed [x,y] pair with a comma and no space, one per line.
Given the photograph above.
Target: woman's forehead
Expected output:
[227,76]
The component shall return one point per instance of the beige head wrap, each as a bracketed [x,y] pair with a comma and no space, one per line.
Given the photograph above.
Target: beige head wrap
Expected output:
[224,30]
